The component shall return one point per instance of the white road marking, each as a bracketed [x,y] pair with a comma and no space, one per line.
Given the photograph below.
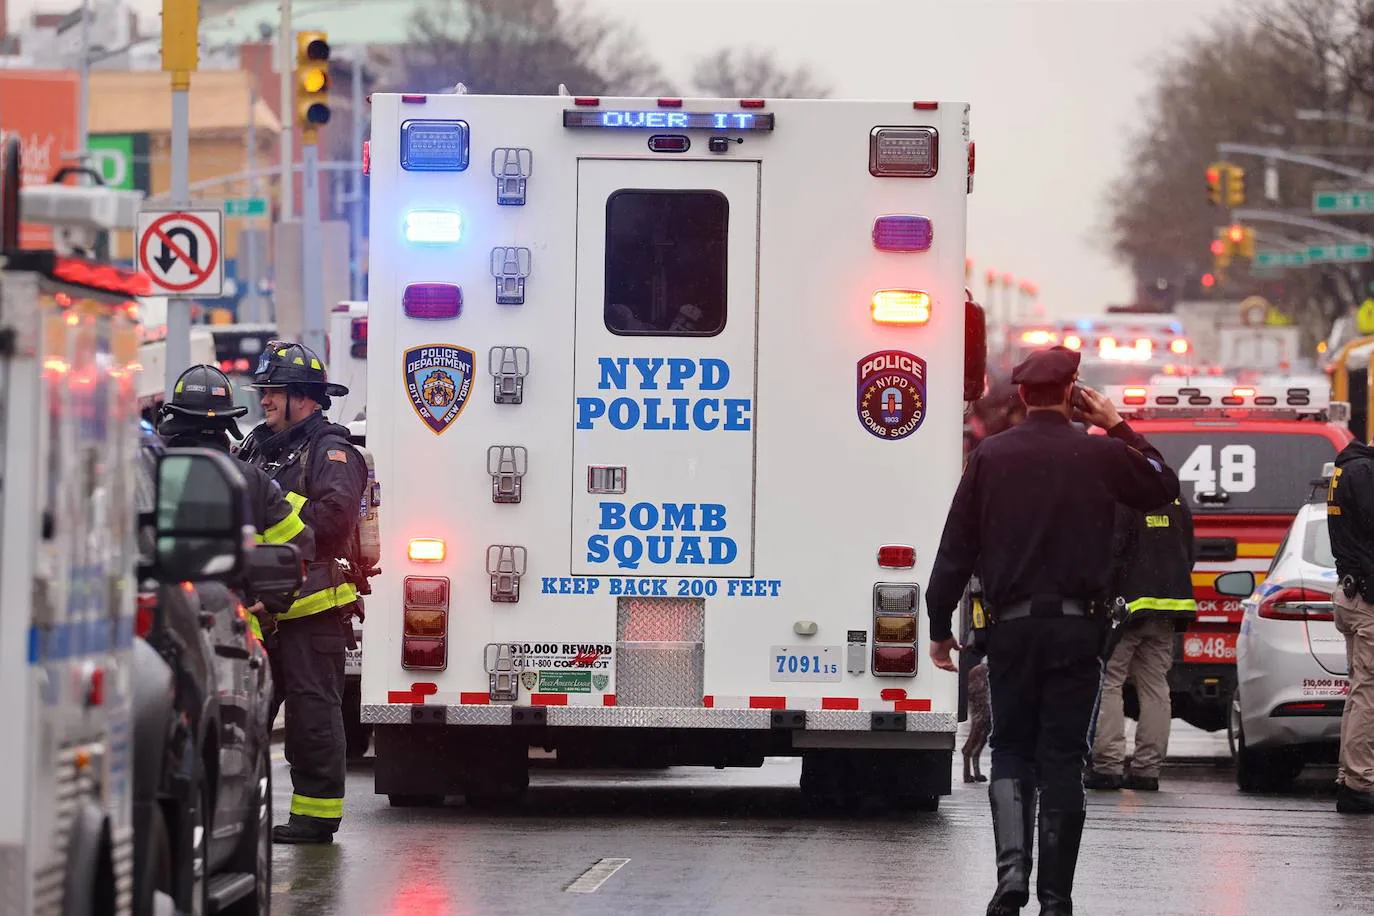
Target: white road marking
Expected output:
[592,879]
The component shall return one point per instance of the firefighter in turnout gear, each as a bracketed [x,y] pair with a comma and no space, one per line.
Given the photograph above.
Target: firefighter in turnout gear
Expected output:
[202,414]
[1153,575]
[324,476]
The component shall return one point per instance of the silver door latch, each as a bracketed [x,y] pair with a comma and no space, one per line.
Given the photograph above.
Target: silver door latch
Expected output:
[508,367]
[506,564]
[506,464]
[503,663]
[510,267]
[510,166]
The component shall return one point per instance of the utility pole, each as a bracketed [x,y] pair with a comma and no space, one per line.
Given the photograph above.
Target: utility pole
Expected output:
[251,305]
[312,69]
[288,199]
[356,185]
[83,118]
[180,56]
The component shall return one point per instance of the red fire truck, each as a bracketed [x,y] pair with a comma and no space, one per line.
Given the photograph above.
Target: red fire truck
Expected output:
[1245,457]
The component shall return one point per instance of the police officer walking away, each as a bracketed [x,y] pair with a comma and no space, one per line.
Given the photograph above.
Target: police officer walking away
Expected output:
[1153,575]
[202,414]
[324,476]
[1034,513]
[1350,522]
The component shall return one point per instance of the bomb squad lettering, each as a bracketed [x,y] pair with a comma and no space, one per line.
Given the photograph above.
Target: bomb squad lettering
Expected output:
[630,549]
[677,414]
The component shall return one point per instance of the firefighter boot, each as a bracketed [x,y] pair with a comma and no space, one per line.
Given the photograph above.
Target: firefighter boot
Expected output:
[1060,834]
[1013,830]
[301,830]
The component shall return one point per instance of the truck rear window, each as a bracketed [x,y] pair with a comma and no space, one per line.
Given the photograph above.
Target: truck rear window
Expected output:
[666,262]
[1229,471]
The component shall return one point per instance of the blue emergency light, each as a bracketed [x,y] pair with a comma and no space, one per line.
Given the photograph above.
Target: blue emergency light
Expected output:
[434,146]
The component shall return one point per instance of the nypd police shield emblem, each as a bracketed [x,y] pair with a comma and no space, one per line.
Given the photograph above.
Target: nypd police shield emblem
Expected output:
[601,681]
[530,679]
[438,380]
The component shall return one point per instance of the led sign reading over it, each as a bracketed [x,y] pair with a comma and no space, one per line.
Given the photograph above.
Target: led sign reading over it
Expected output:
[669,120]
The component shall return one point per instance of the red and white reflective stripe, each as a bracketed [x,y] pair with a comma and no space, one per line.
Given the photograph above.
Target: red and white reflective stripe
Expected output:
[710,701]
[819,703]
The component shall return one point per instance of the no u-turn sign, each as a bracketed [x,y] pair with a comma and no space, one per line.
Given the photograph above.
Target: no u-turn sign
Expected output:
[181,251]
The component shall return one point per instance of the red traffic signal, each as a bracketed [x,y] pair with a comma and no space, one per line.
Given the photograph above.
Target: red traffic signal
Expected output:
[1237,234]
[1208,281]
[1218,247]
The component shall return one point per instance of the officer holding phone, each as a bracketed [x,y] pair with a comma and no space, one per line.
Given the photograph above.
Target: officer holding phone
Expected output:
[1034,514]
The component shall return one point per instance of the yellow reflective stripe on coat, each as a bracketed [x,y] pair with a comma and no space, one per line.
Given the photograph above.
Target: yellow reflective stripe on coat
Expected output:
[1162,604]
[306,806]
[320,601]
[255,626]
[285,530]
[296,500]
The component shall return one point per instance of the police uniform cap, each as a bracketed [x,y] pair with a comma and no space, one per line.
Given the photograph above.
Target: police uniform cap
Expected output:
[1054,366]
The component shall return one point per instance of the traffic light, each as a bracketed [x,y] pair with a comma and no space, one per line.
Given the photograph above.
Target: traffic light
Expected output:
[1235,186]
[1221,250]
[312,81]
[1247,244]
[1214,178]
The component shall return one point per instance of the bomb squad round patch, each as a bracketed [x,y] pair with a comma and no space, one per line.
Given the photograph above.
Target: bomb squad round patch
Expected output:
[892,393]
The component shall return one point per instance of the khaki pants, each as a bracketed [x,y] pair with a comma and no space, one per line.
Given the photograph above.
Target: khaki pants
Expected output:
[1355,620]
[1145,652]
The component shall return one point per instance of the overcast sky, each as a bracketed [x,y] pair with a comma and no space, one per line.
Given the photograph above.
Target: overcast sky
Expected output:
[1055,86]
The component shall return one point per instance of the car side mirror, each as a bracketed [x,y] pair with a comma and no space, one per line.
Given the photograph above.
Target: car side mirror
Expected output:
[1235,584]
[201,521]
[274,568]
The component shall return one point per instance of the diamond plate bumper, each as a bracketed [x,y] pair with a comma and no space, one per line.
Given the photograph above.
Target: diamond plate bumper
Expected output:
[659,717]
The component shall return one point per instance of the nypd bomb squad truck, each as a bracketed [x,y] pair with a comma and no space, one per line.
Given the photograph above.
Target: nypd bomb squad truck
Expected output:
[666,397]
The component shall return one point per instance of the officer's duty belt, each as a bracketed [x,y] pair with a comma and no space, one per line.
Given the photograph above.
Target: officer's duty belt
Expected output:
[1020,609]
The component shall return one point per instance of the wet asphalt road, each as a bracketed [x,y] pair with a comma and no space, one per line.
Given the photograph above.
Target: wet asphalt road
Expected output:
[697,841]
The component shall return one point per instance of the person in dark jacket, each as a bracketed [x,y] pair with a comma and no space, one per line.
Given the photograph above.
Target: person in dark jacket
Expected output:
[1350,522]
[1033,514]
[323,475]
[1153,566]
[202,414]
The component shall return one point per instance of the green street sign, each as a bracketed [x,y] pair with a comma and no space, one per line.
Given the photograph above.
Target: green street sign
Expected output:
[1280,259]
[246,206]
[1340,254]
[1358,201]
[121,159]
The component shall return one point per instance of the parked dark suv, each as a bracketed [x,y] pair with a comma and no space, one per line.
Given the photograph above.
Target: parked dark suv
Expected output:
[202,768]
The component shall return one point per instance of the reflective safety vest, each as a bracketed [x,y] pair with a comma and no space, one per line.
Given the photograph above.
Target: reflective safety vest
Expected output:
[1364,318]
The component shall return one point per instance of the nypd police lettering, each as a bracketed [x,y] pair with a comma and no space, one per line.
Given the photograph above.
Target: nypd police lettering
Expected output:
[679,588]
[677,414]
[629,550]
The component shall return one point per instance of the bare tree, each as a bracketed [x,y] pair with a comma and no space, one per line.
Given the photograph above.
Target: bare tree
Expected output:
[521,47]
[1244,83]
[742,73]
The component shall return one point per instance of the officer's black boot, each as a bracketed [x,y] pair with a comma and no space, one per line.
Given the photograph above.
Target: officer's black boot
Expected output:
[1013,830]
[1060,834]
[301,830]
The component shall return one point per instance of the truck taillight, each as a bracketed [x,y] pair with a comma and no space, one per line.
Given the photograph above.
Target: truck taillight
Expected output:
[1178,345]
[1296,604]
[896,556]
[145,614]
[901,306]
[358,333]
[426,550]
[424,633]
[895,632]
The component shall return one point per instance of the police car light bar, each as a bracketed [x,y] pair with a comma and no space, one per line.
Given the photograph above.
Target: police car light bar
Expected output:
[83,207]
[1225,400]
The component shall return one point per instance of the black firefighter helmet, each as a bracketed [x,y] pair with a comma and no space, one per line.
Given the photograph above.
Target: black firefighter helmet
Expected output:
[295,366]
[202,399]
